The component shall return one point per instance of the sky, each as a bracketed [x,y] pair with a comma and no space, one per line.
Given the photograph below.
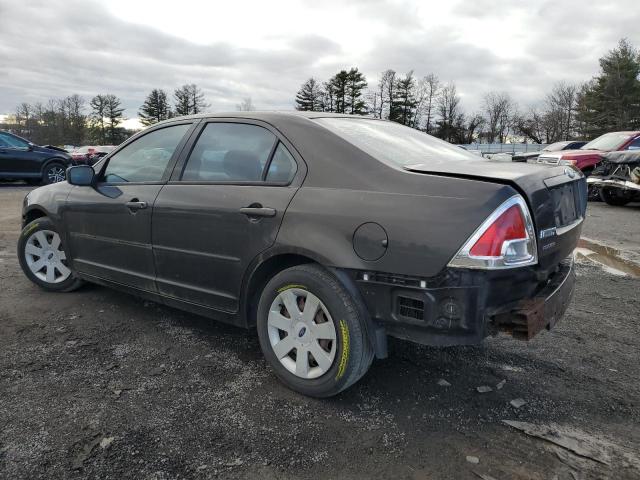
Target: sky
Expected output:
[266,50]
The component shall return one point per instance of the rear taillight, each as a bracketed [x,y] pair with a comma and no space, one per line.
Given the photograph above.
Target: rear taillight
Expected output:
[504,240]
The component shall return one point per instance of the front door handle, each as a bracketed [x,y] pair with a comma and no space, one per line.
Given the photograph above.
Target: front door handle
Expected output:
[258,211]
[135,205]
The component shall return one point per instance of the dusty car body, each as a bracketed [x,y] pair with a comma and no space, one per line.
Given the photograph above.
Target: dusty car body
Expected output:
[617,177]
[376,228]
[554,147]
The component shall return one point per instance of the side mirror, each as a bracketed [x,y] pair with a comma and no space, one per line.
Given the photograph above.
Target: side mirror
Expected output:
[81,175]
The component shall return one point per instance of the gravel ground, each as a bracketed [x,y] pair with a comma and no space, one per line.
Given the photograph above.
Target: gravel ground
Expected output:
[99,384]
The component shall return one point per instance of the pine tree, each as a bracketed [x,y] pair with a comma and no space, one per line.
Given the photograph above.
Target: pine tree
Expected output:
[114,116]
[309,97]
[155,108]
[189,99]
[404,100]
[339,88]
[611,101]
[98,106]
[354,101]
[182,105]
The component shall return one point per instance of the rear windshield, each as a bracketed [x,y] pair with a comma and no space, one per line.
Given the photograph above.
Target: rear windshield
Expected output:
[393,143]
[608,141]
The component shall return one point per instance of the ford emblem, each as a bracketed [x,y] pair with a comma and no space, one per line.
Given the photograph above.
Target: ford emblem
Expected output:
[570,172]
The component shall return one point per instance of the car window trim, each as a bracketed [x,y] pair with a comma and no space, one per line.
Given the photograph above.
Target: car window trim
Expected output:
[176,176]
[170,165]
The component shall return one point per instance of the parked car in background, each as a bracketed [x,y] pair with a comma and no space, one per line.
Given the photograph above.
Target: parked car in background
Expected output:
[22,160]
[589,155]
[617,177]
[324,232]
[90,154]
[554,147]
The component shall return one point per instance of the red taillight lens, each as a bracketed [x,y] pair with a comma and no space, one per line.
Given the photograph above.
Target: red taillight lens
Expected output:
[508,226]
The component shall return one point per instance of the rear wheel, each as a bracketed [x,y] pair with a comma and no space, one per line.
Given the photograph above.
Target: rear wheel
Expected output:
[53,173]
[312,331]
[614,197]
[43,258]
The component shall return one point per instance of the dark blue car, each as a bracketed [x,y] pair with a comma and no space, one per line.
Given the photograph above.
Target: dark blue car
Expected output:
[22,160]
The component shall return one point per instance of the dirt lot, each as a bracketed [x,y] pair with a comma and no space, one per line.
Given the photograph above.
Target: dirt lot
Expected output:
[98,384]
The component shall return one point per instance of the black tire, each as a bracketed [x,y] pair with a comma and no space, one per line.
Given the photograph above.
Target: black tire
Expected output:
[354,352]
[43,223]
[51,171]
[613,197]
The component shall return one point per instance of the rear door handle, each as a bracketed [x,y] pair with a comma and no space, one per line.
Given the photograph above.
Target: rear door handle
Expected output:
[136,205]
[258,211]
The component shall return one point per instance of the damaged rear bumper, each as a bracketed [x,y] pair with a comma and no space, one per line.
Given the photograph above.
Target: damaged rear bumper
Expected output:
[612,182]
[527,318]
[464,306]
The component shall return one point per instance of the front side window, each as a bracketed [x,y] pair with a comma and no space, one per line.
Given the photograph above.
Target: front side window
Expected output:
[9,141]
[393,143]
[229,152]
[145,159]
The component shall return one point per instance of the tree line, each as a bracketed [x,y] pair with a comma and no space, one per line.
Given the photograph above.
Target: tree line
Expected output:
[610,101]
[74,121]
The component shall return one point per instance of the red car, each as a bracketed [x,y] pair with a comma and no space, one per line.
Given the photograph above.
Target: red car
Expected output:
[586,157]
[89,154]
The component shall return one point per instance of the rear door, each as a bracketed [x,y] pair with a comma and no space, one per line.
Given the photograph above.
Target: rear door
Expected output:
[109,224]
[222,207]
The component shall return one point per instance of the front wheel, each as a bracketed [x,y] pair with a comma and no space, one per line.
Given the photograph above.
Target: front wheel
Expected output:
[614,197]
[43,258]
[53,173]
[312,331]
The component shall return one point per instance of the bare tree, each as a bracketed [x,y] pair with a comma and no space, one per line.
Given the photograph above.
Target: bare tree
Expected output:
[449,111]
[385,92]
[499,113]
[246,105]
[561,104]
[431,88]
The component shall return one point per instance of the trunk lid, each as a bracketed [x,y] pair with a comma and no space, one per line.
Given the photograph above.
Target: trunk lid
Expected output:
[556,196]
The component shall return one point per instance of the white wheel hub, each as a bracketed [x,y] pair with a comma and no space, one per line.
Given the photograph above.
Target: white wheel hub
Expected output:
[45,257]
[302,333]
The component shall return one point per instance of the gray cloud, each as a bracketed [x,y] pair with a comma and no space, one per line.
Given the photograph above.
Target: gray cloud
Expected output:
[55,48]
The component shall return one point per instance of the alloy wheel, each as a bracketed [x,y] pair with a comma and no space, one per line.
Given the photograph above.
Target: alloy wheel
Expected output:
[55,174]
[46,258]
[302,333]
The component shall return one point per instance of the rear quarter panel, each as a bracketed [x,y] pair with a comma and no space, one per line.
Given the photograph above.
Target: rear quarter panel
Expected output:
[426,222]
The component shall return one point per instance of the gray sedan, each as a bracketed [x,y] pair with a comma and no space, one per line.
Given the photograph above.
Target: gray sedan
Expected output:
[325,233]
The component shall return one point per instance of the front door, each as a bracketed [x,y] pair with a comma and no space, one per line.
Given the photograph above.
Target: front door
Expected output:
[16,158]
[221,209]
[109,225]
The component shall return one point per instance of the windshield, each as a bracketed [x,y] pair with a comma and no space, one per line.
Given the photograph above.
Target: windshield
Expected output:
[608,141]
[393,143]
[555,147]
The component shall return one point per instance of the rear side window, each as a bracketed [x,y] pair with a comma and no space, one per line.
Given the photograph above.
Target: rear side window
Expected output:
[145,159]
[282,167]
[229,152]
[395,144]
[635,145]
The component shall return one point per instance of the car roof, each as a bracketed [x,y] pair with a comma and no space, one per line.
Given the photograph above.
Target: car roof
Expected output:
[267,115]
